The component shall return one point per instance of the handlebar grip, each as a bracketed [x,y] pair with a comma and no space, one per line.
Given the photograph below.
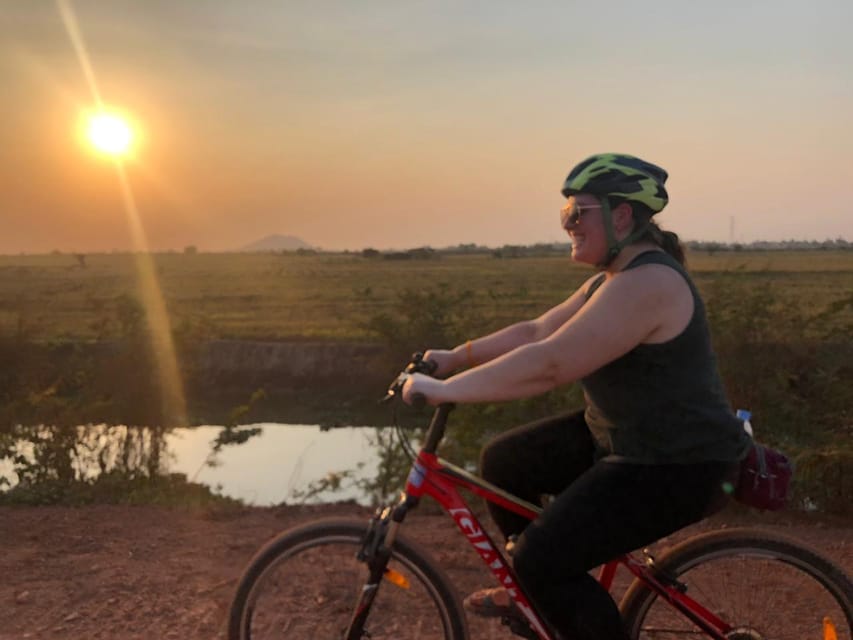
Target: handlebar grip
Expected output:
[429,367]
[419,365]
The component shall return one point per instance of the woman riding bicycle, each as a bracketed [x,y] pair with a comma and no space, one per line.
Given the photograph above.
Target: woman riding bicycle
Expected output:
[657,445]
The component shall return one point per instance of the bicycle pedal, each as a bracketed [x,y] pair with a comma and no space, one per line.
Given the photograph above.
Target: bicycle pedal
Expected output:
[519,626]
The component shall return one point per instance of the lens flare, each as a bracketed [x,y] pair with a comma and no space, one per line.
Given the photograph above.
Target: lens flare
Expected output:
[113,135]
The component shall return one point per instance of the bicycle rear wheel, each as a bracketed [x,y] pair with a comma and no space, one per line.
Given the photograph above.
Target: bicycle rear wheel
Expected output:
[305,584]
[764,585]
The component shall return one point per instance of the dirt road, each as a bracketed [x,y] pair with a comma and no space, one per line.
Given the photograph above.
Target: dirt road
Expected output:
[153,573]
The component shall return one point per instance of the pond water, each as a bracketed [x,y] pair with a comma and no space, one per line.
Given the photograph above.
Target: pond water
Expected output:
[267,469]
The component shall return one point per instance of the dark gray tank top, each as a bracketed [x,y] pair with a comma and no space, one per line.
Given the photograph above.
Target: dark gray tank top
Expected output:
[664,403]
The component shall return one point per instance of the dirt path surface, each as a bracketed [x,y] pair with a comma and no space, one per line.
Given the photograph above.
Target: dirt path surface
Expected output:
[148,572]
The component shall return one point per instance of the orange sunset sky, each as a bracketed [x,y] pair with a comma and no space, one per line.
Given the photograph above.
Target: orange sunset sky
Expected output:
[399,124]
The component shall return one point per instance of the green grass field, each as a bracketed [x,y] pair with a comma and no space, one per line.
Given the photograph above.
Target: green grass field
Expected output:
[333,296]
[781,324]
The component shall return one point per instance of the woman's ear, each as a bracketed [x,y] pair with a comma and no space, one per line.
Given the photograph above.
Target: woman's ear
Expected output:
[623,217]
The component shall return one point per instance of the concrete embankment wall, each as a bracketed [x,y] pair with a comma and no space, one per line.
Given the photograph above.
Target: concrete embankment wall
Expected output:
[303,382]
[258,361]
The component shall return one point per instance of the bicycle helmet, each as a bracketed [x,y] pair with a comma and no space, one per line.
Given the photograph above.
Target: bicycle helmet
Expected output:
[619,175]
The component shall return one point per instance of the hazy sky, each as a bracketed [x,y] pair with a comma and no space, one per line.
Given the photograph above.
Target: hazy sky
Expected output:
[400,124]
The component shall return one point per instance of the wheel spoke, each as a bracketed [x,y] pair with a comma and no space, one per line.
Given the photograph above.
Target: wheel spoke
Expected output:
[308,586]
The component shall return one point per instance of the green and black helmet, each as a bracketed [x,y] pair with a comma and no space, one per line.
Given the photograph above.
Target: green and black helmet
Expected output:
[622,177]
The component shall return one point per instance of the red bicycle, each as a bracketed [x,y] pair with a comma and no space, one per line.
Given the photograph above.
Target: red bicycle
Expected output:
[347,579]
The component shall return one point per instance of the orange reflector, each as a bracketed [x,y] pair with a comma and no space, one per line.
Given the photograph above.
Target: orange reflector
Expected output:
[829,630]
[398,578]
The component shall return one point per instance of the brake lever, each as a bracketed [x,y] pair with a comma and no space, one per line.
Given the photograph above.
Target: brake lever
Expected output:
[418,402]
[417,365]
[395,387]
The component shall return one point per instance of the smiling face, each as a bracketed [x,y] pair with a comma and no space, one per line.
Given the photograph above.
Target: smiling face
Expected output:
[583,219]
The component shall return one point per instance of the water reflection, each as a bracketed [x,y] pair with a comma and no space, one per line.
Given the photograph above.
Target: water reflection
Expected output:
[38,455]
[281,463]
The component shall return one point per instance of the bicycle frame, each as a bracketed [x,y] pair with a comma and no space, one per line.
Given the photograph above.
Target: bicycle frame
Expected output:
[434,477]
[439,479]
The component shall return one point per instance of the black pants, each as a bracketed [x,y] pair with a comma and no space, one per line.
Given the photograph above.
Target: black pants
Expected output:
[600,511]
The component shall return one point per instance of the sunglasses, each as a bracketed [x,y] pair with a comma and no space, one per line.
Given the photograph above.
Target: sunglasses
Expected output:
[570,215]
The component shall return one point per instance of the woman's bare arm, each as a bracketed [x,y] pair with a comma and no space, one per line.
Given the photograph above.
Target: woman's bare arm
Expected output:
[626,310]
[489,347]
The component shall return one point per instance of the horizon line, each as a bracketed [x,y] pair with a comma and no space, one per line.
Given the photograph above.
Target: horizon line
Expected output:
[461,247]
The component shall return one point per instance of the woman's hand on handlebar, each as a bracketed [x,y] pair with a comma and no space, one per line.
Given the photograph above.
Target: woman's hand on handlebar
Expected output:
[420,384]
[445,361]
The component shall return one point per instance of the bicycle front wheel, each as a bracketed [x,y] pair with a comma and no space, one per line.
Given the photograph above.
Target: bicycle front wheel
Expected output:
[305,584]
[763,585]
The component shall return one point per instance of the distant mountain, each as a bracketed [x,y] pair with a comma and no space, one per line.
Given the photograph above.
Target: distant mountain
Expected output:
[277,242]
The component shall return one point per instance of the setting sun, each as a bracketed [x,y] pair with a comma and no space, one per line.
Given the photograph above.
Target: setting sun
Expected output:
[110,134]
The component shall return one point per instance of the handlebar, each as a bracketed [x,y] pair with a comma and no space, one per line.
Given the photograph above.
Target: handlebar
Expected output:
[417,365]
[435,431]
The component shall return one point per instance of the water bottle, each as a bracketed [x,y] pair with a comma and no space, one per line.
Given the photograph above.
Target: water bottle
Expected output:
[745,415]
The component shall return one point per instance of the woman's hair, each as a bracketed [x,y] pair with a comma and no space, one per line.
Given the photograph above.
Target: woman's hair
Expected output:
[666,240]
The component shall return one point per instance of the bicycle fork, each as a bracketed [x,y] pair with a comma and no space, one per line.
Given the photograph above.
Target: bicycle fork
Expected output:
[376,552]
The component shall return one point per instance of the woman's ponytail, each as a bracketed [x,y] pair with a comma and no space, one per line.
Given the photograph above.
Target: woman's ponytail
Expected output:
[666,240]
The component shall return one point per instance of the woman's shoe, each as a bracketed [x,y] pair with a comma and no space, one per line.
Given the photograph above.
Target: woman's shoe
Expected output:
[490,603]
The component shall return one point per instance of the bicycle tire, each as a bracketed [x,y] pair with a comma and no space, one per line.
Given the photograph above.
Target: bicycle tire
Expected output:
[314,566]
[764,584]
